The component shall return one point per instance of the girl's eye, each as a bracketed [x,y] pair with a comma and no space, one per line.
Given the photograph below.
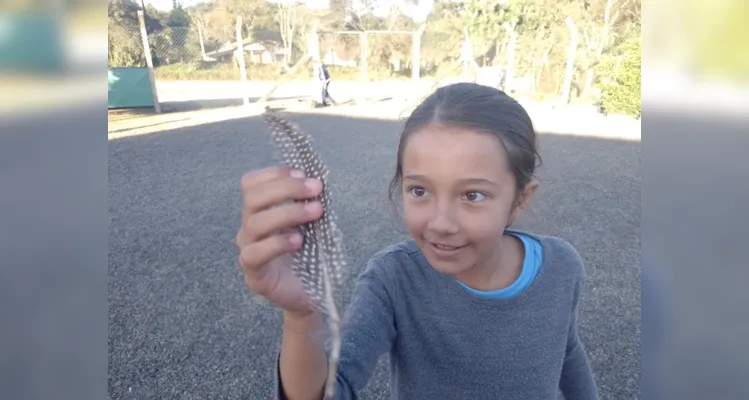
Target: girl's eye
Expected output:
[418,191]
[475,196]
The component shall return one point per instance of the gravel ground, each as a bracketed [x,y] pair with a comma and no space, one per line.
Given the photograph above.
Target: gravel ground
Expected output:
[183,326]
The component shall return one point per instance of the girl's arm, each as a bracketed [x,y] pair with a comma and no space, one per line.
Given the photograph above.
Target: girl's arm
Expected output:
[577,381]
[302,363]
[368,332]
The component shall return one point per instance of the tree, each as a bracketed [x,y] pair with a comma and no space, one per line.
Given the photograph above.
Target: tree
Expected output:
[542,31]
[338,17]
[286,16]
[606,23]
[256,14]
[485,20]
[178,17]
[124,42]
[620,71]
[443,38]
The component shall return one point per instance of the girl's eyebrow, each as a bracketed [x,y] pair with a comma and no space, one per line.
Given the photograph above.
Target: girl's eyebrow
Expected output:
[477,181]
[415,177]
[422,178]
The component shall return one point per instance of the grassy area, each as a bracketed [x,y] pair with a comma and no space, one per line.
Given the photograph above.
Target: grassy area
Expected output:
[201,71]
[194,71]
[228,71]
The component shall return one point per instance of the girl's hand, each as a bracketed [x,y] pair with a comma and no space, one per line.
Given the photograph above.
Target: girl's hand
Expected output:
[267,239]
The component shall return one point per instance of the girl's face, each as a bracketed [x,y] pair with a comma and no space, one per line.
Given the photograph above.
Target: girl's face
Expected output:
[458,196]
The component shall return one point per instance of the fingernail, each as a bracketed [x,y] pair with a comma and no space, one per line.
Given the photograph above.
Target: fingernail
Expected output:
[312,207]
[312,184]
[295,173]
[295,239]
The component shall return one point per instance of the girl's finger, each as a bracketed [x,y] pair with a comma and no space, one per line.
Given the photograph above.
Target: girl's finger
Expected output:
[268,194]
[255,258]
[260,176]
[260,225]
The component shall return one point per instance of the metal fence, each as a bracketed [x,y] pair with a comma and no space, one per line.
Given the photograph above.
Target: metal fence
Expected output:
[125,46]
[174,45]
[533,63]
[536,63]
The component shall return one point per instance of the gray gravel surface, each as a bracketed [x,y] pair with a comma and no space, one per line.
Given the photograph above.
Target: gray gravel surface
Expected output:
[183,326]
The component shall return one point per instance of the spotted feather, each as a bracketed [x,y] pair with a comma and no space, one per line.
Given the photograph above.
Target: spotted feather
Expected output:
[320,263]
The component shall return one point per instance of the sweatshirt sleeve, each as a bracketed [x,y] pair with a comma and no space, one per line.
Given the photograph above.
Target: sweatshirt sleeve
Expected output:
[577,381]
[368,332]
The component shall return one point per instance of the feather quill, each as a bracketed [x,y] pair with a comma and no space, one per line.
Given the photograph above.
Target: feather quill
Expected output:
[320,262]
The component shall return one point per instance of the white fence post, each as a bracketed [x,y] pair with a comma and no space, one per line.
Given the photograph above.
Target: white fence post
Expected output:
[570,61]
[240,59]
[149,62]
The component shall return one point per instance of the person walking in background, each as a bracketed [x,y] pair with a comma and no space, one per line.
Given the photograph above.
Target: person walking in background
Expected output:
[323,77]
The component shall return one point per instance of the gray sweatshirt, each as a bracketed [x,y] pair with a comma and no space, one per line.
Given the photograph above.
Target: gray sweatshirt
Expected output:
[446,342]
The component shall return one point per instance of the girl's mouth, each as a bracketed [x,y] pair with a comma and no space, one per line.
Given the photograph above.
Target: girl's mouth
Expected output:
[444,250]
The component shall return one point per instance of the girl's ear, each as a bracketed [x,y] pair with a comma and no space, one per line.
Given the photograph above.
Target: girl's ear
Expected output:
[523,200]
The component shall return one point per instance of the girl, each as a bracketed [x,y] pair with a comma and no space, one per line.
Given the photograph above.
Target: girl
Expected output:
[467,309]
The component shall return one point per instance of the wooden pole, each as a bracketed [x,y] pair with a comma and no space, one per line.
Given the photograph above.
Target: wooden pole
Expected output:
[149,61]
[202,46]
[570,61]
[416,53]
[240,59]
[364,52]
[510,68]
[466,52]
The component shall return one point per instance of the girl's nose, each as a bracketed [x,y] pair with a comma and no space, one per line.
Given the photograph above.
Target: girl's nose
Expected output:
[442,223]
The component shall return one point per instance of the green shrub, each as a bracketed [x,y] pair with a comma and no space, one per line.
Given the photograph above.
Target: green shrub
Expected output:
[619,72]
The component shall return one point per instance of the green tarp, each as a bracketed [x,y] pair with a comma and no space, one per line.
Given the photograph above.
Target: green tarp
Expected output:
[129,88]
[31,42]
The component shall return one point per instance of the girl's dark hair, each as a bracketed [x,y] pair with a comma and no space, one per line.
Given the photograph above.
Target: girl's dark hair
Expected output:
[482,109]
